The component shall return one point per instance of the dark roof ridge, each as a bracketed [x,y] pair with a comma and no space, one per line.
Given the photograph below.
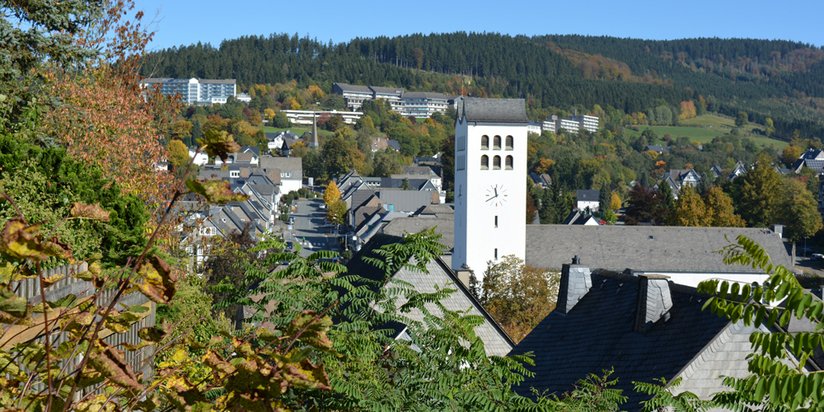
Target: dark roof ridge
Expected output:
[474,300]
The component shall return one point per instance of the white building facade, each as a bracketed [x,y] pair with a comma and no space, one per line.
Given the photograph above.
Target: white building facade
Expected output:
[195,91]
[490,192]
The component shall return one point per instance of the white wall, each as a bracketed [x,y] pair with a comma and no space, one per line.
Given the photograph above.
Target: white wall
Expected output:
[476,237]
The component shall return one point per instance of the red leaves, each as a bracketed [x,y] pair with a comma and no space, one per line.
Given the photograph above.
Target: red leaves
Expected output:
[93,212]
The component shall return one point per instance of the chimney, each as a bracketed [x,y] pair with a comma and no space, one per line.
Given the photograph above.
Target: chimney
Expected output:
[464,275]
[654,301]
[778,230]
[576,280]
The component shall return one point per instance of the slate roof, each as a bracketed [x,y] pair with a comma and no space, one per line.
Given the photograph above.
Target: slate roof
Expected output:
[645,248]
[444,225]
[354,88]
[425,95]
[405,200]
[587,195]
[493,110]
[387,90]
[598,333]
[293,165]
[496,342]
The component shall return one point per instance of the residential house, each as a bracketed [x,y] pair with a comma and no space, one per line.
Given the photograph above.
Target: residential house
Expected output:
[641,326]
[679,178]
[543,180]
[288,171]
[587,199]
[581,217]
[812,159]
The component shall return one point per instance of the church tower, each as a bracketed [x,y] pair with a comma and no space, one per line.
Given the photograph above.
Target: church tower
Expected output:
[490,182]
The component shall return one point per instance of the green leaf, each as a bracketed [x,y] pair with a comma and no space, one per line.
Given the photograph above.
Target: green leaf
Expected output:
[12,307]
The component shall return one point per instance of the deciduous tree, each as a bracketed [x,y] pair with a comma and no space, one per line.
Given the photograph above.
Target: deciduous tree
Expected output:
[721,210]
[518,296]
[690,209]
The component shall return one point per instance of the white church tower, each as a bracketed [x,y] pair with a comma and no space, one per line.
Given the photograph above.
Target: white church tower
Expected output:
[490,182]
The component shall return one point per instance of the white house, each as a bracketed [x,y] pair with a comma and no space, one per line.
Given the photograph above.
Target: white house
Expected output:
[200,158]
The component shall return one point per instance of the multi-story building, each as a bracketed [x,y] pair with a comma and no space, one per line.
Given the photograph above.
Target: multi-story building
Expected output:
[353,94]
[423,104]
[571,124]
[417,104]
[195,91]
[586,122]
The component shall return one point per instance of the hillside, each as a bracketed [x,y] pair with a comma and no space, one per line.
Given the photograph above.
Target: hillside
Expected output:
[780,79]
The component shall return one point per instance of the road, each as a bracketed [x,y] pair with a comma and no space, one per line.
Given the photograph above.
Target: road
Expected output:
[310,229]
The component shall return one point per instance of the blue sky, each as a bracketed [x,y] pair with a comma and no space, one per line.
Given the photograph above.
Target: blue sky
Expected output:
[180,22]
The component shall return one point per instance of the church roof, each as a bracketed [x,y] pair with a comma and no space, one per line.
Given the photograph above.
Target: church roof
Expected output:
[494,110]
[646,248]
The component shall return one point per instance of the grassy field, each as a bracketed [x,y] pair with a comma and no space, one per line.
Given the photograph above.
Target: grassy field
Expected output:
[703,129]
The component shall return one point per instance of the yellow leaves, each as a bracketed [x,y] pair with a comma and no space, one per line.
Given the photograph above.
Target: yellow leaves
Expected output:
[215,191]
[23,241]
[157,281]
[310,328]
[93,212]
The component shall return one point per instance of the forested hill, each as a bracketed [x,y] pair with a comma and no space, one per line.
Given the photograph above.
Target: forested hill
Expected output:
[781,79]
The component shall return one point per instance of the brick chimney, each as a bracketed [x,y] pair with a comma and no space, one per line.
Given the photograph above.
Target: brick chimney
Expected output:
[654,301]
[576,280]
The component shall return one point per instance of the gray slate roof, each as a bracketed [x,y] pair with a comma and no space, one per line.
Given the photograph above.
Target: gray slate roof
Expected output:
[587,195]
[438,276]
[293,165]
[444,225]
[645,248]
[475,109]
[405,200]
[354,88]
[424,95]
[598,333]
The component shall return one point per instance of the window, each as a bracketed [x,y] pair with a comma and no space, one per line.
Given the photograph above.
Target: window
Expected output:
[508,163]
[496,163]
[234,173]
[509,143]
[460,162]
[496,143]
[484,142]
[496,254]
[496,221]
[484,162]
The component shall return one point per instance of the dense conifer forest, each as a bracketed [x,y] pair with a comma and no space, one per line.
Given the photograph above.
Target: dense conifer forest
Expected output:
[780,79]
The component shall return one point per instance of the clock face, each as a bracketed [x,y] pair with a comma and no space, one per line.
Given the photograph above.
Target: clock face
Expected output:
[496,195]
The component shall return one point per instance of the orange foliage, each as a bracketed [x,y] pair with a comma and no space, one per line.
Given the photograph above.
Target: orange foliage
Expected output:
[105,119]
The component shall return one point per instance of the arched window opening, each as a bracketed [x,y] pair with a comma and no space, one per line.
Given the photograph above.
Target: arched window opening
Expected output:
[496,163]
[509,163]
[485,142]
[496,143]
[484,162]
[509,143]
